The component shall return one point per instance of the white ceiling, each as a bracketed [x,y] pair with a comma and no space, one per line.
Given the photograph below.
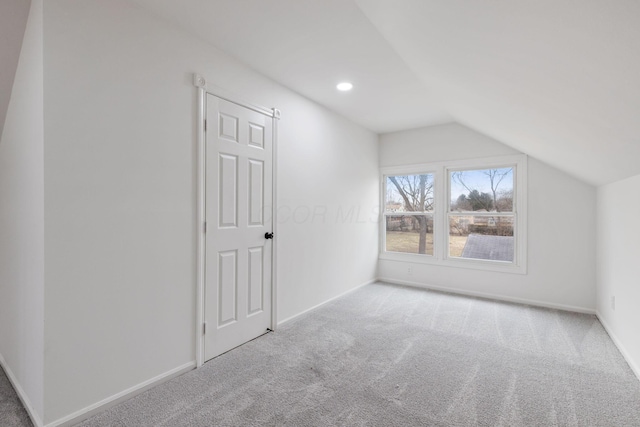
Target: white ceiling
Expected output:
[310,46]
[13,21]
[556,79]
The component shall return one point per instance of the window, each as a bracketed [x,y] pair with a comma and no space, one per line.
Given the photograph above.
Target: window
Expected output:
[481,215]
[470,214]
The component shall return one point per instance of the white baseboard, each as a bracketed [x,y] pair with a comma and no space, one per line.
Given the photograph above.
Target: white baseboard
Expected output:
[104,404]
[632,364]
[327,301]
[490,296]
[26,402]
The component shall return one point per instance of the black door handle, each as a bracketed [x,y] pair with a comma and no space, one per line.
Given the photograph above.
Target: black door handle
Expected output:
[268,235]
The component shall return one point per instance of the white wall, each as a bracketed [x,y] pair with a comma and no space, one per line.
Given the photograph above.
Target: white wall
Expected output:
[561,226]
[120,201]
[13,21]
[22,222]
[618,266]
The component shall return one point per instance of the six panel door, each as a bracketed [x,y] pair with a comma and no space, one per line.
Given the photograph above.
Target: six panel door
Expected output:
[238,214]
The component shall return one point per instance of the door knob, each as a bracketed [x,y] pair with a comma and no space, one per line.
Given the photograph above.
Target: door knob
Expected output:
[268,235]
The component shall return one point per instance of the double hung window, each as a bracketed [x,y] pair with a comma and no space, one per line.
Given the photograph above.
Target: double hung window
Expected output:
[469,214]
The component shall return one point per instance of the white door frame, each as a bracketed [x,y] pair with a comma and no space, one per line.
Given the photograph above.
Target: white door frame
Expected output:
[201,84]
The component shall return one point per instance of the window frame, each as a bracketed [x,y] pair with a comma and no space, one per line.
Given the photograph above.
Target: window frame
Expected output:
[441,189]
[407,171]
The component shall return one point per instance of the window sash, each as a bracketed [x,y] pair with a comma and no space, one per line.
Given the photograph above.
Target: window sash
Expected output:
[450,170]
[432,174]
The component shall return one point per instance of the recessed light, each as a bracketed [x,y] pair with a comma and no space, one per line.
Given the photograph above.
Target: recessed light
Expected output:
[344,86]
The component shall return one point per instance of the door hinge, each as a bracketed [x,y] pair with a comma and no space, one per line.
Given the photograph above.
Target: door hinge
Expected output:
[205,227]
[205,125]
[204,328]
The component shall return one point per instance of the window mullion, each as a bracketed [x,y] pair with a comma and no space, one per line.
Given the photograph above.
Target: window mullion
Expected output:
[441,206]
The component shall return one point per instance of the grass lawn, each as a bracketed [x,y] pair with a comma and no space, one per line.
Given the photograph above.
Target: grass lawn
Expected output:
[407,241]
[456,245]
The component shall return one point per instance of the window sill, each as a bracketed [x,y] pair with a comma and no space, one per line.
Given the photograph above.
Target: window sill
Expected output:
[467,263]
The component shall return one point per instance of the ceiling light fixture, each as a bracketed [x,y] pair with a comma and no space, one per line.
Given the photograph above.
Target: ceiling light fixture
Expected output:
[344,86]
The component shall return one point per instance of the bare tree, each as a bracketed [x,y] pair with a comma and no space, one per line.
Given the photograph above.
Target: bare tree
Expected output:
[505,200]
[495,178]
[416,192]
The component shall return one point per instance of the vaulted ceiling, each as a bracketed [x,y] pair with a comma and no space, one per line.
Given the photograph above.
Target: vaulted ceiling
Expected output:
[556,79]
[310,46]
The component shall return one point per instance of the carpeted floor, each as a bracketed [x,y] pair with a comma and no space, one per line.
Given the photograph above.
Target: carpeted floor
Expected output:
[12,413]
[393,356]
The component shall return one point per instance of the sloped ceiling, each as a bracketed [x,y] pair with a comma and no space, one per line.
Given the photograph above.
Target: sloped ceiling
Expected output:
[13,21]
[310,46]
[556,79]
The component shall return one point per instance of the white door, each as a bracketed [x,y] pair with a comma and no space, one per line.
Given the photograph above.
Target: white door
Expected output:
[238,216]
